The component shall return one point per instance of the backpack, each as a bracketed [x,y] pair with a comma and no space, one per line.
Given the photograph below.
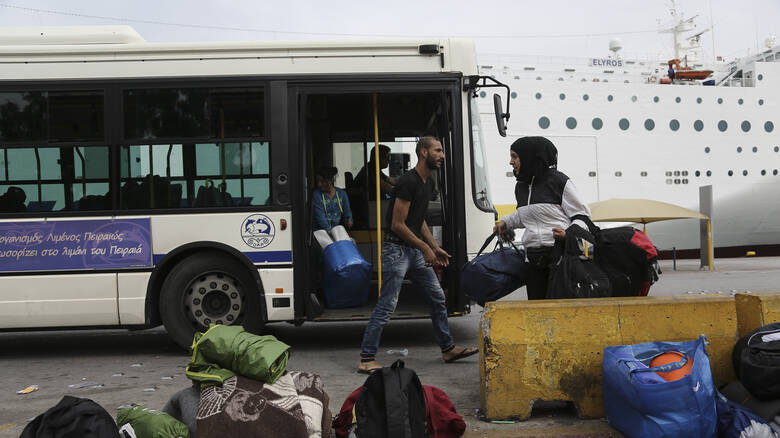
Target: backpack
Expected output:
[756,359]
[627,256]
[391,404]
[494,275]
[73,417]
[573,275]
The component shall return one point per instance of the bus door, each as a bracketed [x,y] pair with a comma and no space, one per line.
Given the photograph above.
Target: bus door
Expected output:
[340,126]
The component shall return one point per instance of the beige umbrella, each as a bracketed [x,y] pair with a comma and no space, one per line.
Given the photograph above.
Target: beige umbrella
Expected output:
[642,211]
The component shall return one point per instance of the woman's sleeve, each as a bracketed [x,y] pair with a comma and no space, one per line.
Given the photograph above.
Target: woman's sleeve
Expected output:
[572,204]
[320,221]
[513,220]
[345,205]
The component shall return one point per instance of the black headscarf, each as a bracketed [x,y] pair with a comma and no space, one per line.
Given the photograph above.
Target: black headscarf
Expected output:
[537,156]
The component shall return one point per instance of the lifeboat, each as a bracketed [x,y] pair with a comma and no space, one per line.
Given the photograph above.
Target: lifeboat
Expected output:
[686,73]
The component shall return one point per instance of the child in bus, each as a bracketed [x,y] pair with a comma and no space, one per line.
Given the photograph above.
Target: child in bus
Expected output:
[330,203]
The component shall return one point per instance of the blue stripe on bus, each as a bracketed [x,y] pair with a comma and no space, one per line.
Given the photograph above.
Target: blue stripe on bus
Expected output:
[254,256]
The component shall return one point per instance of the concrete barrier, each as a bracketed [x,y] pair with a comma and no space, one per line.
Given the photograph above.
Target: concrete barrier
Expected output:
[756,310]
[552,349]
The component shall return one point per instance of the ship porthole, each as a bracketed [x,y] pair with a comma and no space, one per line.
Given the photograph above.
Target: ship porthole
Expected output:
[678,100]
[755,149]
[538,96]
[544,122]
[633,98]
[739,149]
[609,98]
[746,126]
[769,126]
[740,101]
[585,97]
[720,100]
[774,172]
[698,125]
[698,100]
[763,172]
[624,124]
[649,124]
[760,101]
[698,173]
[723,126]
[731,173]
[674,125]
[597,123]
[777,148]
[562,96]
[514,95]
[744,173]
[709,173]
[760,77]
[707,150]
[571,123]
[656,99]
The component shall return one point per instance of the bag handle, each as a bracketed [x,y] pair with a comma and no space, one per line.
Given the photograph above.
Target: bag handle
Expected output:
[500,243]
[395,399]
[588,222]
[661,368]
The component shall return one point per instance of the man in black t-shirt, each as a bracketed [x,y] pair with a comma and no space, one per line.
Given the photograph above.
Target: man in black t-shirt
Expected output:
[410,248]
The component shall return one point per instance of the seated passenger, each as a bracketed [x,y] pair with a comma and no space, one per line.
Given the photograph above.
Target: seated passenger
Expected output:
[330,203]
[12,201]
[386,183]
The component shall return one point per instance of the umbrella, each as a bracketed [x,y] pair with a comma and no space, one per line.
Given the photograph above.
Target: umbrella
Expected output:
[642,211]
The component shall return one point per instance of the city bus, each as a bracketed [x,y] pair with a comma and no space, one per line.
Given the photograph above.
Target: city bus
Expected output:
[168,183]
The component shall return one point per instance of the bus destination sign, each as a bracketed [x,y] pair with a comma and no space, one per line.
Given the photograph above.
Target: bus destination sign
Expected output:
[75,245]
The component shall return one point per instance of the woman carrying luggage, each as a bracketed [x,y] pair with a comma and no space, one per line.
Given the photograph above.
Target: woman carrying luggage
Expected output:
[546,200]
[331,204]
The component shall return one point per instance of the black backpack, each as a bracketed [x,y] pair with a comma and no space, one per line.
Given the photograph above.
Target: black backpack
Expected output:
[573,275]
[757,362]
[73,418]
[391,404]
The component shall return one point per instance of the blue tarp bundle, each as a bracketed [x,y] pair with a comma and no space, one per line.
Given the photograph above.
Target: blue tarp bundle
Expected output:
[346,277]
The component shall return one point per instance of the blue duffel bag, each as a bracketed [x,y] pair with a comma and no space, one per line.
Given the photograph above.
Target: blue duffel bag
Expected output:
[654,408]
[346,275]
[494,275]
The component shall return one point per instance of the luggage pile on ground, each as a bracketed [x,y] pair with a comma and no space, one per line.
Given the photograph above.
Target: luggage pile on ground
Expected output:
[665,389]
[346,275]
[392,403]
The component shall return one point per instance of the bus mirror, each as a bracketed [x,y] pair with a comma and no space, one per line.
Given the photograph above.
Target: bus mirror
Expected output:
[498,108]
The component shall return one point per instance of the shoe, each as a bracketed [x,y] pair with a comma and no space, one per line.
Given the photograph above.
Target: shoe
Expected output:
[368,367]
[466,352]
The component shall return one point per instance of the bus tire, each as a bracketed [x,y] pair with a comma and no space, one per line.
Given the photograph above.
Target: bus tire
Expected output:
[202,289]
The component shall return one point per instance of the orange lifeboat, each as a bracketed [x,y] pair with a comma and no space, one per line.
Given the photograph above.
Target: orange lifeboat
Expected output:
[686,73]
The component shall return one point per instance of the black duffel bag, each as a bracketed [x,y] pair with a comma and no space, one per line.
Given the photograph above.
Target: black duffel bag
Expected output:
[756,359]
[573,275]
[488,277]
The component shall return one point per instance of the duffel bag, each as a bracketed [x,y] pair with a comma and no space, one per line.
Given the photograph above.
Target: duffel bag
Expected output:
[488,277]
[756,359]
[573,275]
[653,408]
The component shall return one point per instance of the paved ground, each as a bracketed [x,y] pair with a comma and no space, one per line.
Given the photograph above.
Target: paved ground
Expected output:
[145,367]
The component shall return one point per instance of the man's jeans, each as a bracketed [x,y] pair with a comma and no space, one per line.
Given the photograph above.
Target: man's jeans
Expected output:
[397,262]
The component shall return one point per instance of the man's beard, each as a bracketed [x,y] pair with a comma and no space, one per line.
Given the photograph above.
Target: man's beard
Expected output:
[432,163]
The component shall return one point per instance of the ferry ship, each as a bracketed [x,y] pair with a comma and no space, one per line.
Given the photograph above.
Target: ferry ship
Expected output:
[623,131]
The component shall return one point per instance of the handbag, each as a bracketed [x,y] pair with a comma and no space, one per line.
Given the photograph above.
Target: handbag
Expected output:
[572,275]
[488,277]
[642,406]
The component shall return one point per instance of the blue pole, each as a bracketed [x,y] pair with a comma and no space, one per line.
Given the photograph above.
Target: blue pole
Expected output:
[674,258]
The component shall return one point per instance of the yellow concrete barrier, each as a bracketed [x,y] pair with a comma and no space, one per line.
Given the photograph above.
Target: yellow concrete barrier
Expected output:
[552,350]
[756,310]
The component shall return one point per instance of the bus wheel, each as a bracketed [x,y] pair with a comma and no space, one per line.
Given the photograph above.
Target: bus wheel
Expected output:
[203,289]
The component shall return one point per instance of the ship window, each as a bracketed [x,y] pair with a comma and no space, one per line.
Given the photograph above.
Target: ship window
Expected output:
[668,173]
[746,126]
[755,149]
[723,126]
[609,98]
[720,100]
[668,180]
[740,101]
[698,100]
[591,173]
[769,126]
[538,78]
[760,101]
[643,173]
[744,173]
[656,99]
[777,148]
[482,94]
[684,173]
[633,98]
[760,77]
[560,79]
[538,96]
[676,173]
[583,80]
[606,81]
[685,180]
[707,150]
[739,149]
[678,100]
[674,125]
[649,124]
[585,96]
[698,173]
[763,172]
[544,122]
[618,173]
[677,180]
[623,124]
[597,124]
[709,173]
[514,95]
[731,172]
[774,172]
[698,125]
[562,96]
[571,123]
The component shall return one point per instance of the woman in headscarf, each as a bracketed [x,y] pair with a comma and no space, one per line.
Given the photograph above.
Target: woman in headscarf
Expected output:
[546,201]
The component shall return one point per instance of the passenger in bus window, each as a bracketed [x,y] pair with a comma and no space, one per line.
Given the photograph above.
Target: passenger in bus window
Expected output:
[410,249]
[12,201]
[367,175]
[546,199]
[331,204]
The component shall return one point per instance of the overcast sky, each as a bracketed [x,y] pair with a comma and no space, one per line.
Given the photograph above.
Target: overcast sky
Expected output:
[581,28]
